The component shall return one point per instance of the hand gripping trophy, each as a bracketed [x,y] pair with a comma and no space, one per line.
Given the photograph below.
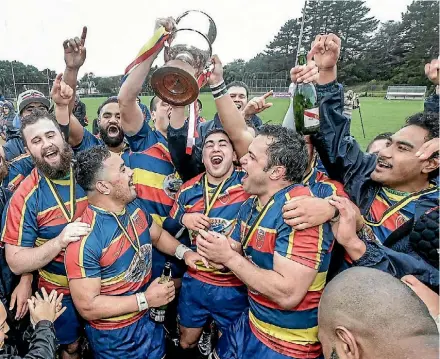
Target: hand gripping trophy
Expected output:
[187,53]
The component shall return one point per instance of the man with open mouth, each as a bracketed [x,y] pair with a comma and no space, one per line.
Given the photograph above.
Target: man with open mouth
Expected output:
[41,218]
[215,195]
[110,269]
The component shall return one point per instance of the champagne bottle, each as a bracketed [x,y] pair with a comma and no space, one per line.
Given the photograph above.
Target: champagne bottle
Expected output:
[158,314]
[305,104]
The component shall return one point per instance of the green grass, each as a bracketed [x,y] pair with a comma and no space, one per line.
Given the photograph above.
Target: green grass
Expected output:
[379,115]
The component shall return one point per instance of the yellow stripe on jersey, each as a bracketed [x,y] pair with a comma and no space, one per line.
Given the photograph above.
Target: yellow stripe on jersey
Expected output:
[23,212]
[158,219]
[319,282]
[148,178]
[319,251]
[82,245]
[113,280]
[56,279]
[57,206]
[297,336]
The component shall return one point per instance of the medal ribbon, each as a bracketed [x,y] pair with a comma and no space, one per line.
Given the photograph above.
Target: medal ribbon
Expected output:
[209,203]
[149,48]
[399,205]
[247,234]
[122,228]
[72,197]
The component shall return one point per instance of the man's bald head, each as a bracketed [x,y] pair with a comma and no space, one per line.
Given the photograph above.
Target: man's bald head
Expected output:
[365,312]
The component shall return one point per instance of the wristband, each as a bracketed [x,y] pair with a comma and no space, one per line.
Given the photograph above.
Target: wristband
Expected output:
[181,250]
[141,301]
[218,86]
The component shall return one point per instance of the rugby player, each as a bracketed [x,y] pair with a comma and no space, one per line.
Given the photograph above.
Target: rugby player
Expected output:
[285,270]
[210,201]
[110,269]
[41,218]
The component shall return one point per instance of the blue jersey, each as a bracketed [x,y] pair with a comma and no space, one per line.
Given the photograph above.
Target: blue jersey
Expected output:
[262,232]
[192,198]
[18,169]
[122,264]
[34,216]
[145,138]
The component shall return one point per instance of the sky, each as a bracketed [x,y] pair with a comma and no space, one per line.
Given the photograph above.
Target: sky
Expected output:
[33,31]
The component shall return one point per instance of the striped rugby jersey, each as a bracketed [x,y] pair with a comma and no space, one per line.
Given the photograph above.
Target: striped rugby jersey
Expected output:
[390,209]
[294,332]
[156,180]
[34,217]
[223,214]
[145,138]
[107,253]
[18,169]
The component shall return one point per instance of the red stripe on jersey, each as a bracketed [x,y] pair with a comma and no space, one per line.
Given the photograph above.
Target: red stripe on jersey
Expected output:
[153,194]
[123,287]
[42,283]
[109,325]
[227,280]
[391,223]
[310,301]
[158,151]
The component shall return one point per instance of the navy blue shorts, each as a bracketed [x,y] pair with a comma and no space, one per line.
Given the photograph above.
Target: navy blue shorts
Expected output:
[68,327]
[239,342]
[199,301]
[140,340]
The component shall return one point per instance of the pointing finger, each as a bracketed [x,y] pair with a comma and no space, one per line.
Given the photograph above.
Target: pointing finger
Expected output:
[268,94]
[84,35]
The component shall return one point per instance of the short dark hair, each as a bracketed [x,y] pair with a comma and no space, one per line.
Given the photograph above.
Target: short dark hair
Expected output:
[239,84]
[380,136]
[288,149]
[88,164]
[430,122]
[153,103]
[200,103]
[35,116]
[426,120]
[112,99]
[213,131]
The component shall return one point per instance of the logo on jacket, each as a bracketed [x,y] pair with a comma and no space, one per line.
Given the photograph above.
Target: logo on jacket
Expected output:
[139,221]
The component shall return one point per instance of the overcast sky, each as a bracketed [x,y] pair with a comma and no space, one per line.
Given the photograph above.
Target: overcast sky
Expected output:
[33,31]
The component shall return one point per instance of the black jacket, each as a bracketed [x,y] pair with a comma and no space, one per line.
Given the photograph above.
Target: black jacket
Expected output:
[189,166]
[345,162]
[42,345]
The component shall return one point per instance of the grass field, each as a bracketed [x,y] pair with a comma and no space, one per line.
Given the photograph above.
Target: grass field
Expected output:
[379,115]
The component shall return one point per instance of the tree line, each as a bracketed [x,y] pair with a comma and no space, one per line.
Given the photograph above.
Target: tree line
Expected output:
[391,52]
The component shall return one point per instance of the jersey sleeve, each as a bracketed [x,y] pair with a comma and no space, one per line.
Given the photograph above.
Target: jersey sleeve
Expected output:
[19,221]
[142,140]
[326,187]
[19,169]
[82,257]
[306,247]
[88,141]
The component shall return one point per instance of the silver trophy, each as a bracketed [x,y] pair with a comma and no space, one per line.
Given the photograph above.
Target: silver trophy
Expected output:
[187,56]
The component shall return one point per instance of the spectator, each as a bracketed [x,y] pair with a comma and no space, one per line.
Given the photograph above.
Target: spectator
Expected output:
[79,111]
[144,108]
[365,313]
[199,118]
[379,142]
[44,310]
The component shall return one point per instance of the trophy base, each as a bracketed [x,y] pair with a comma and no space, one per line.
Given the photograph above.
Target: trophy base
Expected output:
[174,84]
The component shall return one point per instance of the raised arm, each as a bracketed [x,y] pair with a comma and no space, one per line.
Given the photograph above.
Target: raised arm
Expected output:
[232,119]
[74,58]
[61,95]
[132,118]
